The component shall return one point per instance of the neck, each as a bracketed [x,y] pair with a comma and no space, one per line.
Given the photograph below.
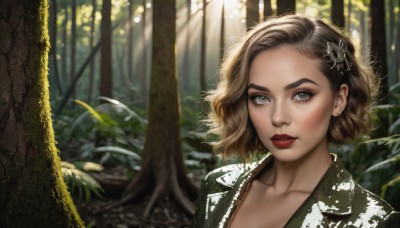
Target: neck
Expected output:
[300,175]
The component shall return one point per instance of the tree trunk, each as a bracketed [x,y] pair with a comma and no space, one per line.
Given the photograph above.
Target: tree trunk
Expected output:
[286,6]
[252,13]
[378,54]
[162,171]
[106,53]
[144,56]
[91,41]
[337,13]
[73,45]
[203,55]
[186,63]
[53,39]
[129,43]
[222,35]
[64,72]
[32,190]
[267,9]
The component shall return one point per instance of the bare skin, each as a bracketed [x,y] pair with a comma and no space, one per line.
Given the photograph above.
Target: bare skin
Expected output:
[275,195]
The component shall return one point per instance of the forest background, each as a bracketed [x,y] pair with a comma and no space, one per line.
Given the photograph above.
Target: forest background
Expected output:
[127,79]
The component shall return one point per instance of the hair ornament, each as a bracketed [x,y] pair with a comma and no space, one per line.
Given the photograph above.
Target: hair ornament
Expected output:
[337,55]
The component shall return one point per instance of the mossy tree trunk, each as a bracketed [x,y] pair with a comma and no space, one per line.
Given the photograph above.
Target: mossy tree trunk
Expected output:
[32,189]
[162,173]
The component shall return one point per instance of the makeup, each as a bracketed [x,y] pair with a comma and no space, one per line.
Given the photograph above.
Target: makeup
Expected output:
[283,141]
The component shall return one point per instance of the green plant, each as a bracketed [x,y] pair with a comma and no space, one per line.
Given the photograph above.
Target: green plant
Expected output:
[79,182]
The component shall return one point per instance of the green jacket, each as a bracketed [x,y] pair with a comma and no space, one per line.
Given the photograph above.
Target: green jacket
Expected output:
[337,200]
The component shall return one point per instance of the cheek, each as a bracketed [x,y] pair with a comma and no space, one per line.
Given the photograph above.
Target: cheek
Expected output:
[316,117]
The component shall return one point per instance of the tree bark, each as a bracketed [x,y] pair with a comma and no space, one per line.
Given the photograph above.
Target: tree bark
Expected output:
[267,9]
[53,39]
[222,35]
[129,43]
[378,55]
[64,71]
[32,190]
[143,77]
[91,41]
[203,55]
[337,13]
[285,7]
[252,13]
[162,173]
[186,63]
[106,53]
[73,45]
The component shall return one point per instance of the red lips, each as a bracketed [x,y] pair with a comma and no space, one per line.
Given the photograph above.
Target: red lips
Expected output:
[283,141]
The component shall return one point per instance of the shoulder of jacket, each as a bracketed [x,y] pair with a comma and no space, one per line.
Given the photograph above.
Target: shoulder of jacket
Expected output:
[372,201]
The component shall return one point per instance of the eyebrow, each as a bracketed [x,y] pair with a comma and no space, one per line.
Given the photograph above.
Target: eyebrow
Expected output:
[288,87]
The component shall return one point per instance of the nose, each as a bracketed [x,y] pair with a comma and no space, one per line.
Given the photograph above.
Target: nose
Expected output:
[280,114]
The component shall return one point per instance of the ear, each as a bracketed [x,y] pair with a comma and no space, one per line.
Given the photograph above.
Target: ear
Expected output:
[340,101]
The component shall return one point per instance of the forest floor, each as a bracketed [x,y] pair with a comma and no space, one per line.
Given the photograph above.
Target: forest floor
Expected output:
[165,214]
[129,215]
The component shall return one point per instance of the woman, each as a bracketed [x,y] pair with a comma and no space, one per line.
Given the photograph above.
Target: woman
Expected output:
[290,87]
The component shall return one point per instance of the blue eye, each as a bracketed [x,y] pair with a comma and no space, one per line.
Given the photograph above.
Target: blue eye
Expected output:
[302,96]
[260,99]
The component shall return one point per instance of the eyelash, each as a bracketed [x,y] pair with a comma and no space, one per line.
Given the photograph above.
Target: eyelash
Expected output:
[307,92]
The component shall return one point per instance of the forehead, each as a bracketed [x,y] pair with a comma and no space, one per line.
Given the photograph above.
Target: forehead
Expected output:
[284,65]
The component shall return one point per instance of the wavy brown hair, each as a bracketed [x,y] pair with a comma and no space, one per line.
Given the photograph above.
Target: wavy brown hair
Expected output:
[229,117]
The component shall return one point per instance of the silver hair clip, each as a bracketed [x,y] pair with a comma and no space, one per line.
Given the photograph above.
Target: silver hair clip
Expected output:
[337,55]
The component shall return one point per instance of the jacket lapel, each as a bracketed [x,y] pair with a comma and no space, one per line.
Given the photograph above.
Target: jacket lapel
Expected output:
[331,199]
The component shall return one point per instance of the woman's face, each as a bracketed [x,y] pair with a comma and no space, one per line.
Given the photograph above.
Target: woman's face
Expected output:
[290,103]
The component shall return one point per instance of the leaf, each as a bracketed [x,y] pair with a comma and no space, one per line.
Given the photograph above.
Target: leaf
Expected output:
[91,110]
[115,149]
[391,183]
[76,178]
[88,166]
[383,164]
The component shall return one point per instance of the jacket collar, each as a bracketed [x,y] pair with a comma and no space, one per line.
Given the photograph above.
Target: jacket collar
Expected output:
[334,193]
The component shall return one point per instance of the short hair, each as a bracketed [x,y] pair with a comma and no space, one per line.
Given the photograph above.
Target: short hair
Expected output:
[229,117]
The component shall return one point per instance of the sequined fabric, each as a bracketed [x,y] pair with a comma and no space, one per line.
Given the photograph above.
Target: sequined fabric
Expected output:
[337,200]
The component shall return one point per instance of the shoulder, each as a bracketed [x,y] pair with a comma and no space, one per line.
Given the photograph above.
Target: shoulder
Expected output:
[372,209]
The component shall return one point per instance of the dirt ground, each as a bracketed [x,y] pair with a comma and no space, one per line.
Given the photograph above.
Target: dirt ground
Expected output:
[165,214]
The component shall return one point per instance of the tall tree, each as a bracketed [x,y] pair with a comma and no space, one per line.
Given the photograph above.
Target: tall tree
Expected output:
[222,34]
[267,9]
[252,13]
[286,6]
[106,53]
[203,49]
[337,13]
[378,54]
[162,171]
[32,189]
[186,64]
[129,41]
[91,44]
[73,44]
[64,51]
[53,40]
[143,77]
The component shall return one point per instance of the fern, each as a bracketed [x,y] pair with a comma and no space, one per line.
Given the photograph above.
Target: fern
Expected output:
[81,182]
